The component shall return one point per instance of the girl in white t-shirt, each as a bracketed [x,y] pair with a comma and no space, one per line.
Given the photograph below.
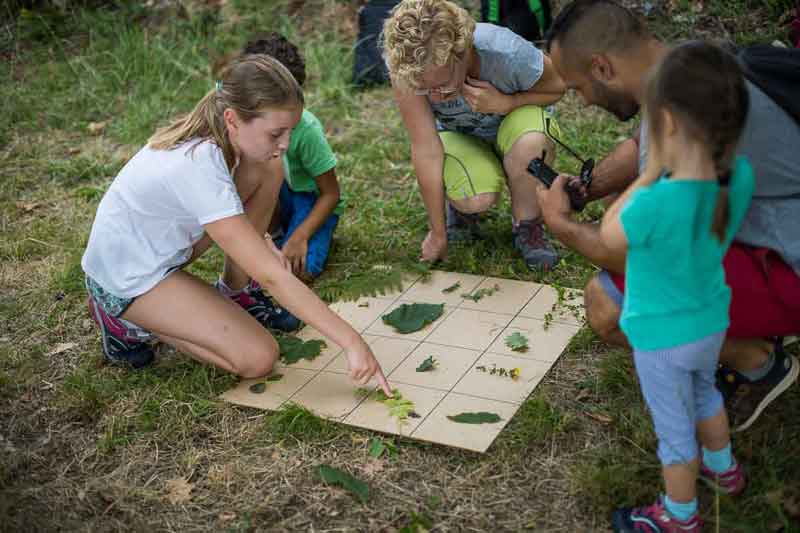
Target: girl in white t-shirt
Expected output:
[200,181]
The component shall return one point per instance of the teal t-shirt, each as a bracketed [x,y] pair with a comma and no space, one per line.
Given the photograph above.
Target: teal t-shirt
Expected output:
[675,290]
[309,155]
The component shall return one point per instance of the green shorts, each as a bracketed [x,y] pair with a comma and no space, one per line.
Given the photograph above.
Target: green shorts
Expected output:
[473,166]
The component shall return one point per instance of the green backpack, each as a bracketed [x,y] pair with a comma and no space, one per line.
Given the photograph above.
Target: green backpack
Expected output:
[527,18]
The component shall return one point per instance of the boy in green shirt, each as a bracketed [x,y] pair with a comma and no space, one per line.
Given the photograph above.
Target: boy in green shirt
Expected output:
[310,201]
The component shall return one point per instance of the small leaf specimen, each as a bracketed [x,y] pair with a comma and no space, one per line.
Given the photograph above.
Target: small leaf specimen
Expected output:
[399,407]
[258,388]
[428,364]
[512,373]
[293,349]
[452,287]
[261,386]
[517,342]
[480,293]
[475,418]
[409,318]
[334,476]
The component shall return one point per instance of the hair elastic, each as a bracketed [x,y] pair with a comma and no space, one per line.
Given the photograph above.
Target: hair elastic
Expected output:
[218,86]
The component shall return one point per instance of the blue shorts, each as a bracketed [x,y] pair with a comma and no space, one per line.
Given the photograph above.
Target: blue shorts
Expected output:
[295,207]
[679,387]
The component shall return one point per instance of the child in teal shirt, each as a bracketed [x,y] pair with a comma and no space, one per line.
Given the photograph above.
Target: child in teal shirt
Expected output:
[310,202]
[676,222]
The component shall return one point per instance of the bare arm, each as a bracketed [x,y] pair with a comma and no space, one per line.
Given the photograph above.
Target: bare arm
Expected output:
[427,156]
[241,242]
[616,171]
[483,97]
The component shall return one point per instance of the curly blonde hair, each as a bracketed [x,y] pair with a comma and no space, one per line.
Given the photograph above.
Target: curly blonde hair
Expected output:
[421,34]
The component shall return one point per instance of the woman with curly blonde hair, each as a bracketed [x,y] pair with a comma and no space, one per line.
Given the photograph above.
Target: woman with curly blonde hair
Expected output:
[471,97]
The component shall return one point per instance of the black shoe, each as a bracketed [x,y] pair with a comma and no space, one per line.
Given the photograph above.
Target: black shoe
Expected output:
[746,399]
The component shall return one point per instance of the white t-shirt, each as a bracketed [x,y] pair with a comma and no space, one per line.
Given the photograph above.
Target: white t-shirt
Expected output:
[153,214]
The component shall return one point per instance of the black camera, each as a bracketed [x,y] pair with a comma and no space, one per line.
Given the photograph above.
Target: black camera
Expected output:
[547,175]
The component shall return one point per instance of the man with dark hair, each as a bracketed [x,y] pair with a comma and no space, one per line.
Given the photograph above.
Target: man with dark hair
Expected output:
[604,53]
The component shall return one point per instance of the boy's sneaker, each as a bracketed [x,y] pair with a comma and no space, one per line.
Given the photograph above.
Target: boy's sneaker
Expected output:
[529,240]
[730,482]
[746,399]
[653,519]
[462,227]
[122,344]
[264,309]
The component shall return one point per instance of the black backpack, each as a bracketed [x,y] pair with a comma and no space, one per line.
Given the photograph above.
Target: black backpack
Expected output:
[368,66]
[776,71]
[529,19]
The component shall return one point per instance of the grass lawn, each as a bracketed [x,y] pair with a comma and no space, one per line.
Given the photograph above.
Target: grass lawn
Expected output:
[85,446]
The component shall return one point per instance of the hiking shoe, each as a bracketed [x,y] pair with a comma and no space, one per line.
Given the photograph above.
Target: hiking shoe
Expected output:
[745,399]
[123,343]
[652,519]
[529,240]
[462,227]
[264,309]
[731,481]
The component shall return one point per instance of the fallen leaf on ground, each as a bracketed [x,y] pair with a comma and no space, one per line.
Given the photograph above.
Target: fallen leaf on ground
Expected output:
[334,476]
[178,490]
[226,516]
[96,128]
[63,347]
[28,206]
[605,419]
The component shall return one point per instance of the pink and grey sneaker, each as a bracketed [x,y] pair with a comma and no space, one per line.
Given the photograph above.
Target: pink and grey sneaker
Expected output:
[264,309]
[123,343]
[653,519]
[731,481]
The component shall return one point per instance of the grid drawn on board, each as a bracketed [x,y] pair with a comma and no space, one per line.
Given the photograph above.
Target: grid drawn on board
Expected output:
[465,336]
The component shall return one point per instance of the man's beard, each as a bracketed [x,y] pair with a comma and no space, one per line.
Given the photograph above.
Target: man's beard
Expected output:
[620,104]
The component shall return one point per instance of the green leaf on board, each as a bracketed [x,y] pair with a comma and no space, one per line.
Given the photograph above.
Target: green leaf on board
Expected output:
[517,342]
[452,287]
[428,364]
[480,293]
[409,318]
[399,407]
[293,349]
[475,418]
[275,377]
[334,476]
[258,388]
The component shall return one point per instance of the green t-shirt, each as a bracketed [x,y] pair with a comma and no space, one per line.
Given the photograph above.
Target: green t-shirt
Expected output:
[675,290]
[309,155]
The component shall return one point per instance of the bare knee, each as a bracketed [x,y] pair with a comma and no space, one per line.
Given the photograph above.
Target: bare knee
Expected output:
[526,147]
[256,361]
[254,366]
[602,313]
[476,204]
